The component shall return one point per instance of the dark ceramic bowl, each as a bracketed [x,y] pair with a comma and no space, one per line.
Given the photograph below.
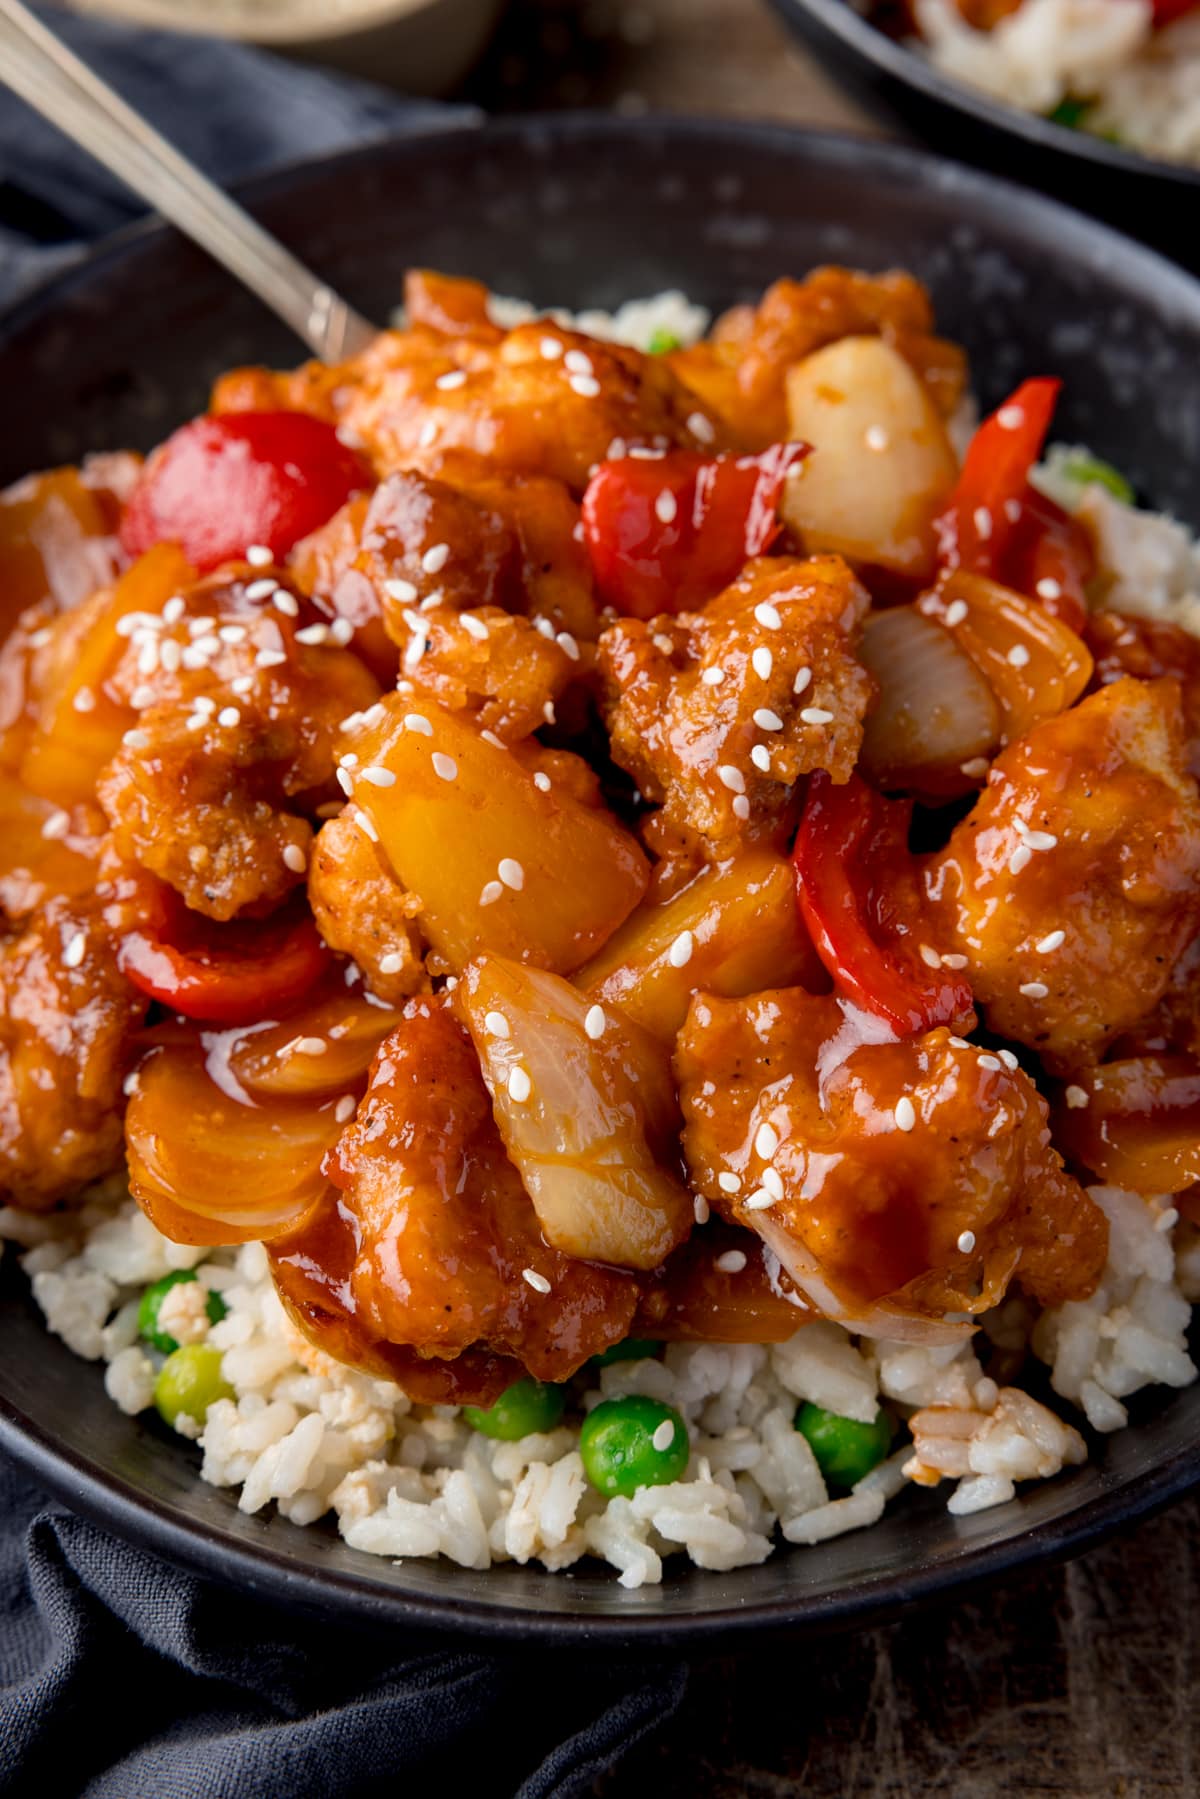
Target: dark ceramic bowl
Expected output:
[587,211]
[1149,197]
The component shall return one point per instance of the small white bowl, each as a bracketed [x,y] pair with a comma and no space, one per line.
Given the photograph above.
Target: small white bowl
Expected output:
[422,46]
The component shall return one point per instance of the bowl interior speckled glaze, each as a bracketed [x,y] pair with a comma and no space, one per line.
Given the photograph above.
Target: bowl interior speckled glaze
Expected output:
[587,211]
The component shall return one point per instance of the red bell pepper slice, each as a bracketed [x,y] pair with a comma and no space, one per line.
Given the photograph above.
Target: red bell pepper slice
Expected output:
[220,484]
[1167,11]
[851,847]
[667,533]
[235,973]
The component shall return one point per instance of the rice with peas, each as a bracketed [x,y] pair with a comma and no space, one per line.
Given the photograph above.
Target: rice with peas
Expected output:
[315,1438]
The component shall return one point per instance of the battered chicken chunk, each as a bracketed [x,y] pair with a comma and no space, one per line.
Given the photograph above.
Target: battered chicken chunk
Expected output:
[717,714]
[740,369]
[447,1234]
[362,910]
[67,1019]
[1074,884]
[890,1178]
[233,744]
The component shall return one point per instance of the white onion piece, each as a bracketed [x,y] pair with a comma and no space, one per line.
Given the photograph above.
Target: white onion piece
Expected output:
[935,710]
[885,1321]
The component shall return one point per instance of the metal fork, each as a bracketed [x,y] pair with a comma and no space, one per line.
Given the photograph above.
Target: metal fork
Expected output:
[53,80]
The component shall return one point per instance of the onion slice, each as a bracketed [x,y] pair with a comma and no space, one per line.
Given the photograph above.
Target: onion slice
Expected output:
[935,710]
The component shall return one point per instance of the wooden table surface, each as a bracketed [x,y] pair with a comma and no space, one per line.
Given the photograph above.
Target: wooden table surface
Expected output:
[1081,1682]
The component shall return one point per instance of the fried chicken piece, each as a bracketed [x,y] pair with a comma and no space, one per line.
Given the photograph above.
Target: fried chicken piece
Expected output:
[1073,885]
[891,1179]
[717,714]
[740,370]
[496,668]
[447,1233]
[362,910]
[234,744]
[1151,649]
[67,1019]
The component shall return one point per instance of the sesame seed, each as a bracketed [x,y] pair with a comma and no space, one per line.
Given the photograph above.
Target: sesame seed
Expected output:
[767,616]
[728,1183]
[310,1046]
[731,777]
[766,1141]
[533,1279]
[1008,1059]
[229,716]
[344,1108]
[232,633]
[762,662]
[544,626]
[1018,656]
[992,1062]
[802,681]
[983,522]
[286,603]
[568,645]
[958,1043]
[258,590]
[542,782]
[904,1114]
[349,759]
[956,611]
[663,643]
[196,722]
[772,1180]
[594,1022]
[586,386]
[876,438]
[270,658]
[490,893]
[952,960]
[1052,941]
[741,807]
[816,715]
[759,1200]
[57,825]
[404,591]
[451,379]
[366,826]
[551,348]
[174,610]
[511,873]
[1037,840]
[616,450]
[85,700]
[136,740]
[700,1208]
[976,769]
[74,952]
[39,639]
[930,956]
[496,1023]
[519,1086]
[578,362]
[205,703]
[428,433]
[497,743]
[243,685]
[444,767]
[548,712]
[766,720]
[1020,857]
[1010,418]
[712,677]
[665,507]
[258,555]
[416,721]
[1048,588]
[379,777]
[1076,1097]
[1166,1220]
[760,755]
[294,858]
[130,1084]
[344,781]
[680,952]
[313,634]
[392,962]
[732,1262]
[664,1436]
[1034,989]
[147,660]
[435,558]
[701,427]
[966,1242]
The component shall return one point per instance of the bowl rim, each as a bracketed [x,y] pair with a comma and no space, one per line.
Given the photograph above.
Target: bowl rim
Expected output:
[247,25]
[137,1516]
[839,20]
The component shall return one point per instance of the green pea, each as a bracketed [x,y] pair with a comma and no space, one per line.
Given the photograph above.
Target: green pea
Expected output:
[1081,466]
[1068,112]
[632,1349]
[845,1450]
[151,1302]
[526,1406]
[633,1442]
[190,1380]
[662,341]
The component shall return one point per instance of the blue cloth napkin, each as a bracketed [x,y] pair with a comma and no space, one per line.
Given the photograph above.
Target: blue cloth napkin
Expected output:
[120,1676]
